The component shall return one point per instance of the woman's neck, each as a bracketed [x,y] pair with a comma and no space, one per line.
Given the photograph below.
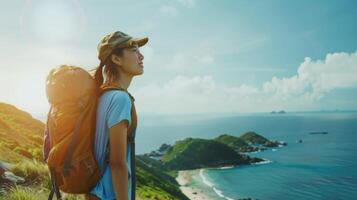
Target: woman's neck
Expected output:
[123,81]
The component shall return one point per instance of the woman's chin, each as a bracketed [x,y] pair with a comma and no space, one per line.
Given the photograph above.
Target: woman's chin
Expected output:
[140,72]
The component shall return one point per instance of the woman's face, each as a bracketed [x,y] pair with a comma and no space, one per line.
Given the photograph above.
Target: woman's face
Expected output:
[131,61]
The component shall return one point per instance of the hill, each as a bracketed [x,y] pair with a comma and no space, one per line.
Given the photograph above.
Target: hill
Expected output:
[21,138]
[236,143]
[20,133]
[256,139]
[193,153]
[253,138]
[248,142]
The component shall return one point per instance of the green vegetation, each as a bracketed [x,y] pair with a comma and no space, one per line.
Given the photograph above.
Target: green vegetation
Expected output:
[254,138]
[152,181]
[30,193]
[34,172]
[232,141]
[247,142]
[21,146]
[21,193]
[193,153]
[155,181]
[20,133]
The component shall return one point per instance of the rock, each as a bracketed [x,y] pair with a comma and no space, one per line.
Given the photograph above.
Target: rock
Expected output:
[255,160]
[275,143]
[11,177]
[249,149]
[8,177]
[271,144]
[154,154]
[164,147]
[3,168]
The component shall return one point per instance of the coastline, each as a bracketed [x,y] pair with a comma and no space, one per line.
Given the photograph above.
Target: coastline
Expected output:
[185,179]
[197,187]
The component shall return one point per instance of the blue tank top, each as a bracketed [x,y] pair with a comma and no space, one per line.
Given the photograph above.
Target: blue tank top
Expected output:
[113,107]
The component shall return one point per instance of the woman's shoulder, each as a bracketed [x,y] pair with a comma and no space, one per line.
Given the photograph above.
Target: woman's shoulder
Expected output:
[116,96]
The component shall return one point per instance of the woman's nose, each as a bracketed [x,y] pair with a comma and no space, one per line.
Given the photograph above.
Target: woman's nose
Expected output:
[141,56]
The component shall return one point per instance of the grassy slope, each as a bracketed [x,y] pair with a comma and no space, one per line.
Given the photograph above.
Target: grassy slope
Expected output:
[162,185]
[20,134]
[21,143]
[231,141]
[253,137]
[192,153]
[241,141]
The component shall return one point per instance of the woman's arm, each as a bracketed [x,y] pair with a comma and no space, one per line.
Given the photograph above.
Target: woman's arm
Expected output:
[117,159]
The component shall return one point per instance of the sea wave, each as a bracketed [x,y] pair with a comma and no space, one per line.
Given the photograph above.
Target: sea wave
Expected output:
[210,184]
[205,181]
[227,167]
[265,161]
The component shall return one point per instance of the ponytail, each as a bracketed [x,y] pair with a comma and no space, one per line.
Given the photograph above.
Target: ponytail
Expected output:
[111,71]
[98,75]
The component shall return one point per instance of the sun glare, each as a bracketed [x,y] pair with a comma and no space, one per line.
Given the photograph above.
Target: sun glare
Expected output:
[52,21]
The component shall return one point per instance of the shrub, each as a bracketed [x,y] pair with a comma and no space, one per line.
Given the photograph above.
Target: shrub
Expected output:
[33,171]
[20,193]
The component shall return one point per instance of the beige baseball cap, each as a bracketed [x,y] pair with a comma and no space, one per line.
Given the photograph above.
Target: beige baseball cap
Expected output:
[115,40]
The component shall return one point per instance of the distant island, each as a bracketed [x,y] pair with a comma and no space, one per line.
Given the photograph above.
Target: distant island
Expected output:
[278,112]
[224,150]
[318,132]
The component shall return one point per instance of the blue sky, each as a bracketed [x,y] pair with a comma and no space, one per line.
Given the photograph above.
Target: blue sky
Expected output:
[202,56]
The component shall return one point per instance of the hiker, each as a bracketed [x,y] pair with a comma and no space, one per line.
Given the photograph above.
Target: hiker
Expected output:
[116,121]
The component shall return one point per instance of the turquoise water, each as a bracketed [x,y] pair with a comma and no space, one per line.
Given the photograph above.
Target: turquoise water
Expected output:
[322,167]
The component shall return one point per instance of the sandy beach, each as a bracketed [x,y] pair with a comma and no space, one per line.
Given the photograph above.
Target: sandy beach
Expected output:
[184,178]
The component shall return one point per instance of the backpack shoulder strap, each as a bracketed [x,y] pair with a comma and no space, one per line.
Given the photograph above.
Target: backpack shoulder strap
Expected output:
[114,86]
[107,87]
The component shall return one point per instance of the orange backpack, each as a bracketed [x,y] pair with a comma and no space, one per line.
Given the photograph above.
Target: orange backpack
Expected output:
[73,96]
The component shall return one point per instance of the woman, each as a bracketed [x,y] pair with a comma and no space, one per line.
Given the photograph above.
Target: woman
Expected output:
[121,59]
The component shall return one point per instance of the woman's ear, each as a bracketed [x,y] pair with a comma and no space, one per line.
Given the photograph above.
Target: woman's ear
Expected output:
[116,59]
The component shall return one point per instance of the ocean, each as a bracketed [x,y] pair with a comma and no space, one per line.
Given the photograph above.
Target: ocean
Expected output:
[323,166]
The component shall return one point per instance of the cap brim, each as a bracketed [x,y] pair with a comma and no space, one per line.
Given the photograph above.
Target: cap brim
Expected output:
[141,41]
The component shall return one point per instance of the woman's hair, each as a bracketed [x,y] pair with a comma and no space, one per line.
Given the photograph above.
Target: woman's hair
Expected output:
[111,72]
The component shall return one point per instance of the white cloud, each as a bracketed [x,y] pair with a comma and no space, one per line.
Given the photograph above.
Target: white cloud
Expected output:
[338,70]
[202,94]
[204,59]
[187,60]
[180,94]
[188,3]
[28,67]
[205,51]
[200,54]
[168,10]
[197,94]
